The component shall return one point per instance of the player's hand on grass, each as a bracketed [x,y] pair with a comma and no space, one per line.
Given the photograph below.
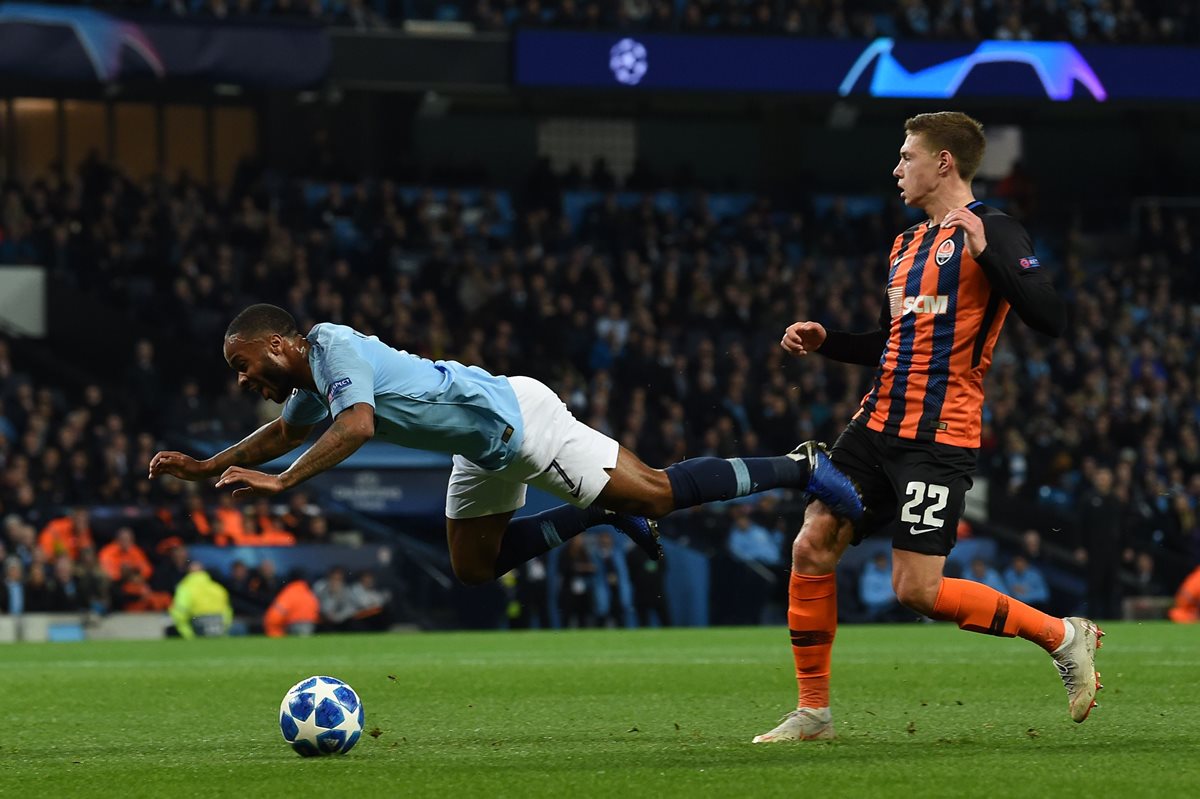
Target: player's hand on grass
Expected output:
[253,484]
[801,338]
[178,465]
[972,225]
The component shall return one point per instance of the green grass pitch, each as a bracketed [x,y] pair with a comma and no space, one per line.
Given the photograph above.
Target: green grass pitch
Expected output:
[921,710]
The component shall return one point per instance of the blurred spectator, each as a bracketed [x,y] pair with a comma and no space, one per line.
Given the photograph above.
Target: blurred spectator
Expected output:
[372,603]
[189,413]
[750,542]
[530,594]
[649,588]
[295,611]
[38,591]
[197,524]
[875,589]
[336,600]
[1031,546]
[133,593]
[240,591]
[298,515]
[144,383]
[758,555]
[21,539]
[230,522]
[235,411]
[612,592]
[982,572]
[264,584]
[266,522]
[65,535]
[1186,609]
[65,592]
[318,530]
[171,570]
[201,605]
[12,598]
[575,594]
[93,581]
[122,555]
[1100,522]
[1026,583]
[1145,579]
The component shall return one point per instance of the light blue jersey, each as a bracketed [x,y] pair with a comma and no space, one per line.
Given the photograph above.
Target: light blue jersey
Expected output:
[432,405]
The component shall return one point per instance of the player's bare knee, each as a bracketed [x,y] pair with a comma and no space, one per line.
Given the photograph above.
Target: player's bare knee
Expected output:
[914,593]
[654,502]
[471,572]
[655,499]
[812,552]
[660,502]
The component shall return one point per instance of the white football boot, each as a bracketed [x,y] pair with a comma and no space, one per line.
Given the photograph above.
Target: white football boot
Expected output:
[804,724]
[1076,664]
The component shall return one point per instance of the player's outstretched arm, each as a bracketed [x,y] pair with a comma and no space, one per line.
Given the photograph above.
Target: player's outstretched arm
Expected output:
[352,428]
[803,338]
[266,443]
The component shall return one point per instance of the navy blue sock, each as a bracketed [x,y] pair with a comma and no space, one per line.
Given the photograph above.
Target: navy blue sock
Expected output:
[700,480]
[531,536]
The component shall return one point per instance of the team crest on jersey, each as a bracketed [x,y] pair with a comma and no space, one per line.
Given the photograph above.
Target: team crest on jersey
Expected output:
[945,252]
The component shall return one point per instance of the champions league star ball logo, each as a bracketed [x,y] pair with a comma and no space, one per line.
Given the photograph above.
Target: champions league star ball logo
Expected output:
[627,60]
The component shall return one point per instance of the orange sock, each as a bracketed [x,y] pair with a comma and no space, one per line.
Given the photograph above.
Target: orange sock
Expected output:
[981,609]
[812,621]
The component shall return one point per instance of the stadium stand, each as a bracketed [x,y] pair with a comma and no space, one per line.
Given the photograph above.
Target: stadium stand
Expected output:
[601,293]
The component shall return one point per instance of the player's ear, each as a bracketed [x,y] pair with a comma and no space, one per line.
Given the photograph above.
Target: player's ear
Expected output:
[945,162]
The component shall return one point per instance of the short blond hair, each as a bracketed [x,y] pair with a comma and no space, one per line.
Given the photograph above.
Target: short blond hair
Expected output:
[954,131]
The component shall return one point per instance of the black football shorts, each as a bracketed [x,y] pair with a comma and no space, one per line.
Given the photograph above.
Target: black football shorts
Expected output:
[913,491]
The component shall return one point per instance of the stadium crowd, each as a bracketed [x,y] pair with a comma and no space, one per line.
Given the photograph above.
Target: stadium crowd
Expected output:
[659,327]
[1091,21]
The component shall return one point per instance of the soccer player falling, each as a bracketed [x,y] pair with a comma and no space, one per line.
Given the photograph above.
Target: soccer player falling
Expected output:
[911,448]
[504,432]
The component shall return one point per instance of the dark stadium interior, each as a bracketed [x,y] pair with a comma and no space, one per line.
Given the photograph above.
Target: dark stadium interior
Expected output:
[1121,22]
[644,268]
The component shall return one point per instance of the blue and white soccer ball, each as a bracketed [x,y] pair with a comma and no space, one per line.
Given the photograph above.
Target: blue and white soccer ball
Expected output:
[321,716]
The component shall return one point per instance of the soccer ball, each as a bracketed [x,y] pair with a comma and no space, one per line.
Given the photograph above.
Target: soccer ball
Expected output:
[321,716]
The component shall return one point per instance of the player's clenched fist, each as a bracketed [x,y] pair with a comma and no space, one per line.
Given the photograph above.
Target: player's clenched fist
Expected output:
[178,465]
[801,338]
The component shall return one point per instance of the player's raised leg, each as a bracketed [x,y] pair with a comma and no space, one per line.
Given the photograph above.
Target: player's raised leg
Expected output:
[636,488]
[1072,642]
[812,623]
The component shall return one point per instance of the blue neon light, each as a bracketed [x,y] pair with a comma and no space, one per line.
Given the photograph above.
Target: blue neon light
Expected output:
[1057,66]
[1057,71]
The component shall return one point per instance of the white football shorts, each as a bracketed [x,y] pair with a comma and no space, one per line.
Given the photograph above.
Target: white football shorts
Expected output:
[559,454]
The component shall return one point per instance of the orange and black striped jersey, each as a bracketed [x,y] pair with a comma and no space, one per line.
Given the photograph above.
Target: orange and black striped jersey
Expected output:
[939,324]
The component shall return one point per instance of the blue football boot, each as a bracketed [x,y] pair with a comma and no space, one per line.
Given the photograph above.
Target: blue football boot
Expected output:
[642,531]
[827,483]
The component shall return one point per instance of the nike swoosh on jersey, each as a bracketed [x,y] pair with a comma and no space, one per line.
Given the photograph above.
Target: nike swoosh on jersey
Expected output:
[919,531]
